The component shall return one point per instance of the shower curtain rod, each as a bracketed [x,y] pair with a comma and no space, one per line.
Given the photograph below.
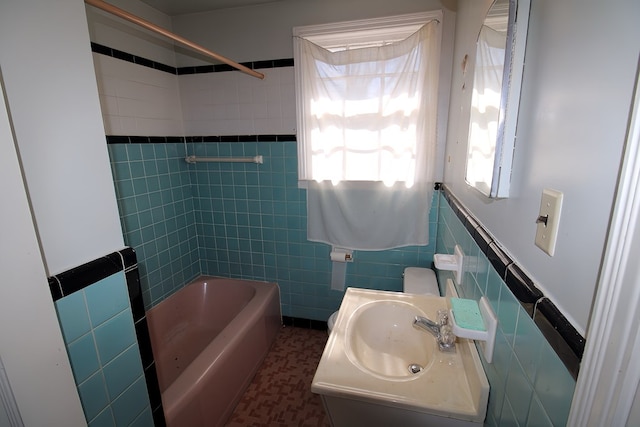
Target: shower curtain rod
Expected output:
[153,27]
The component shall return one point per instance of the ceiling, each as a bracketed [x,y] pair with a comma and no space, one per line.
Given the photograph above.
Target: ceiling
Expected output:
[180,7]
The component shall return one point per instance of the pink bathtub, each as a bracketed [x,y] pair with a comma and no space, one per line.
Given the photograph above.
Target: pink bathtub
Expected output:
[208,340]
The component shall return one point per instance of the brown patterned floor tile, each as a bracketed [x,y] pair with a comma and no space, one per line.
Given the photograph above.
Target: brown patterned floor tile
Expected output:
[280,394]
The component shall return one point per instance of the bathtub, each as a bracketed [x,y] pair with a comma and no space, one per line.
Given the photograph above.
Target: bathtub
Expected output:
[208,340]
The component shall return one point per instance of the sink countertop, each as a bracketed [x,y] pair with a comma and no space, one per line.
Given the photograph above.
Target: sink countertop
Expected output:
[451,385]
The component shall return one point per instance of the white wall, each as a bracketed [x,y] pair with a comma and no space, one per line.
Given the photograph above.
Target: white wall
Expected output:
[578,80]
[263,32]
[52,96]
[116,33]
[30,338]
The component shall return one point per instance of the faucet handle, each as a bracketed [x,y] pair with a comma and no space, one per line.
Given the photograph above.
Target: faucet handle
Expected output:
[443,317]
[447,338]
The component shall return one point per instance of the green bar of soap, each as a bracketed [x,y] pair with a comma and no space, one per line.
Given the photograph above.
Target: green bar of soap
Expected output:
[467,314]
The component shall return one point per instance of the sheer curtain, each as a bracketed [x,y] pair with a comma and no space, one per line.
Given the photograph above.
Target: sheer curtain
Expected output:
[367,137]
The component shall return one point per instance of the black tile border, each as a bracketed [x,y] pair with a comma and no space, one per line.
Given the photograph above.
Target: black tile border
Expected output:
[78,278]
[201,69]
[136,139]
[299,322]
[568,344]
[557,330]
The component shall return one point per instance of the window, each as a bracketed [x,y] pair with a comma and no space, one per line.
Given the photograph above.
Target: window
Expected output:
[366,98]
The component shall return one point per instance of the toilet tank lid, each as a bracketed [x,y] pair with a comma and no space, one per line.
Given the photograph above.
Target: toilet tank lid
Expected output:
[419,273]
[420,280]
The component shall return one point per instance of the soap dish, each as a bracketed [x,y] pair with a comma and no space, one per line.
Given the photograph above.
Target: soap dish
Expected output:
[453,262]
[467,312]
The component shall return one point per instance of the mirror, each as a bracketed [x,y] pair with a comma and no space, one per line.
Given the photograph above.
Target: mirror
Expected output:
[496,94]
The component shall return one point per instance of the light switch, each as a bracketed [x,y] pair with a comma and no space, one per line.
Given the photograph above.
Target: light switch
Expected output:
[548,220]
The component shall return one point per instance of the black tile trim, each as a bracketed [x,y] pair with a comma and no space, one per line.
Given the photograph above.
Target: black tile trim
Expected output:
[565,340]
[201,69]
[87,274]
[559,332]
[562,325]
[119,54]
[521,285]
[498,259]
[252,65]
[482,238]
[470,224]
[84,275]
[299,322]
[135,139]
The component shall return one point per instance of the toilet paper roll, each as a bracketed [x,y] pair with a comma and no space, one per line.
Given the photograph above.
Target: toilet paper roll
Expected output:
[338,274]
[338,256]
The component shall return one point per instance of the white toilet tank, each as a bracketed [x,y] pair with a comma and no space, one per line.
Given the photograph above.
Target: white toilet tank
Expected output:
[420,281]
[416,281]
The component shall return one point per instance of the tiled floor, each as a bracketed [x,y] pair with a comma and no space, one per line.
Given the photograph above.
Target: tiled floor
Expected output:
[280,394]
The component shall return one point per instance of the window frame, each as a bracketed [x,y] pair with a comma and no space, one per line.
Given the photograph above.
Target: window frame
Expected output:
[360,33]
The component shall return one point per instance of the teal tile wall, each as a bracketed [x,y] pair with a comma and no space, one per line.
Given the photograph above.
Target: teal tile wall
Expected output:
[238,220]
[530,385]
[99,334]
[156,211]
[251,223]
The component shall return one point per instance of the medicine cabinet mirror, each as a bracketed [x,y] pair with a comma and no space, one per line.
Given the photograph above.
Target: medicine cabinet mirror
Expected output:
[495,99]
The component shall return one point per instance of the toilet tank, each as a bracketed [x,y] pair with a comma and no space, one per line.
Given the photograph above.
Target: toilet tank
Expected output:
[422,281]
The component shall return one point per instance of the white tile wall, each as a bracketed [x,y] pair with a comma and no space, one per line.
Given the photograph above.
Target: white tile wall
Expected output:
[232,103]
[138,100]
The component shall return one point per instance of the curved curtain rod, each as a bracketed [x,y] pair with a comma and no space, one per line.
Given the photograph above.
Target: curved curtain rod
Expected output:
[149,26]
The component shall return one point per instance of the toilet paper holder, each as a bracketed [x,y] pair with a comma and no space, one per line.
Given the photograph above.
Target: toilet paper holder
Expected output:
[341,255]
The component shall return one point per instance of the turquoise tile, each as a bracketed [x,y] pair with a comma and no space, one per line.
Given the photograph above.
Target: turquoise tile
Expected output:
[496,390]
[537,415]
[508,310]
[122,171]
[527,344]
[134,152]
[130,404]
[519,391]
[502,356]
[106,298]
[554,386]
[93,395]
[118,153]
[83,357]
[494,286]
[73,316]
[507,417]
[139,185]
[103,419]
[483,267]
[137,170]
[123,371]
[144,420]
[114,336]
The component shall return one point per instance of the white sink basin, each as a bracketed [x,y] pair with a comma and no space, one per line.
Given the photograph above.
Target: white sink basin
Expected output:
[382,341]
[364,378]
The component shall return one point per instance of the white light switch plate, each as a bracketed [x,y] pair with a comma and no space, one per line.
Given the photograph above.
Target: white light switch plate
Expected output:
[547,233]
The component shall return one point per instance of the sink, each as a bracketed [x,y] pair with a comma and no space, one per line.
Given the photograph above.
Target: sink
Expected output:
[382,341]
[377,369]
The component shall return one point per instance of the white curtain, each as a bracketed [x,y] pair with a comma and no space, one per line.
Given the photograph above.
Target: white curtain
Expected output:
[367,140]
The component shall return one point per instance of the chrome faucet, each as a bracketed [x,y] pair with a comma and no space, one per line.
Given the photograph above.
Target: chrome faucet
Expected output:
[440,329]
